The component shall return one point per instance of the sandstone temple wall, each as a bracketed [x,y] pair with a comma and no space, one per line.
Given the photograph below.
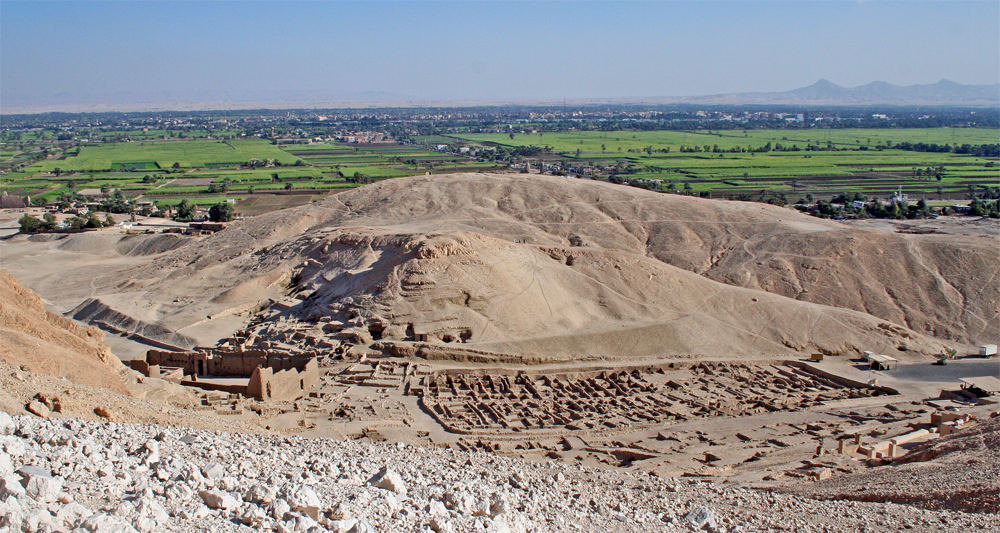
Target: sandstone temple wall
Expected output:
[268,384]
[272,375]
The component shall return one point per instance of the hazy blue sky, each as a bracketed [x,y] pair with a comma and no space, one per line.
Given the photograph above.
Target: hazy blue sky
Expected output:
[176,53]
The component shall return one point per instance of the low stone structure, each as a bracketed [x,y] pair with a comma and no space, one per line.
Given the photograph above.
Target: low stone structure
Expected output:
[500,401]
[156,371]
[271,375]
[210,227]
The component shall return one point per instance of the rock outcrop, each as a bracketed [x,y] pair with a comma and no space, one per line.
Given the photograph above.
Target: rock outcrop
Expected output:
[45,342]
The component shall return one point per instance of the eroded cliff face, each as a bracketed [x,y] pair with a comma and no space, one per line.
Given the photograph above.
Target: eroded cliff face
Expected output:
[51,344]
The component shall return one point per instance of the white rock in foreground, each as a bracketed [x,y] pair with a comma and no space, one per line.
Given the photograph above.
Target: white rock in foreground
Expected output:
[259,494]
[389,479]
[6,424]
[217,499]
[43,488]
[702,517]
[6,465]
[103,523]
[106,468]
[304,500]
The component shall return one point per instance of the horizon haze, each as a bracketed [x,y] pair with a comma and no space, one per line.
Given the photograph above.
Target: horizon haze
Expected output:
[113,56]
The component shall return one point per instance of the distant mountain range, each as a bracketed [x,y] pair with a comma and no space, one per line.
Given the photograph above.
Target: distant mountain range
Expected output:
[821,93]
[824,92]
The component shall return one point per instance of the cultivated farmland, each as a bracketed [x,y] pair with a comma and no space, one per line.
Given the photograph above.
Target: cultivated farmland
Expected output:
[751,164]
[153,155]
[736,163]
[206,170]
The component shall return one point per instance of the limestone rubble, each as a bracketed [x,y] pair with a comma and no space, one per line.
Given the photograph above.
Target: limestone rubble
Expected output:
[73,475]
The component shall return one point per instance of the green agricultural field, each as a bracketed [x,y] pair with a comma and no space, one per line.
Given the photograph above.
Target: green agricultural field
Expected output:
[26,135]
[254,175]
[150,155]
[381,161]
[152,134]
[602,143]
[306,149]
[434,139]
[734,163]
[207,170]
[202,201]
[148,168]
[378,171]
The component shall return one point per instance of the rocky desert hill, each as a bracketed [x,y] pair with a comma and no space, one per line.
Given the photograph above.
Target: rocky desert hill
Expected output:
[48,343]
[544,264]
[51,365]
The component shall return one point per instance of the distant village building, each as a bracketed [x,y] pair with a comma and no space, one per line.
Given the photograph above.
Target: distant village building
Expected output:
[9,201]
[899,196]
[364,137]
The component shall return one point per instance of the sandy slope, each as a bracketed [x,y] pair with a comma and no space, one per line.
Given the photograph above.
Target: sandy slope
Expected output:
[554,265]
[51,344]
[535,263]
[943,285]
[520,298]
[70,364]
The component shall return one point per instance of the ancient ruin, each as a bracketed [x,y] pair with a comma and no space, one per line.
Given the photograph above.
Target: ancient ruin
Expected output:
[261,374]
[638,397]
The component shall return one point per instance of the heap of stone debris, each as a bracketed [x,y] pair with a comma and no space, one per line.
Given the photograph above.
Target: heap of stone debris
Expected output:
[72,475]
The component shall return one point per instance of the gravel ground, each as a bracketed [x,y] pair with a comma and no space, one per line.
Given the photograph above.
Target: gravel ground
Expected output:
[75,475]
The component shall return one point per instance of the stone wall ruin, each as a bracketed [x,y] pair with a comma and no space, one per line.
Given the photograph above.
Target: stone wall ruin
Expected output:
[272,375]
[467,402]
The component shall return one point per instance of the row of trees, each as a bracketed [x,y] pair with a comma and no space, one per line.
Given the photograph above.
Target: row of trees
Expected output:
[841,206]
[357,178]
[31,224]
[873,209]
[659,186]
[220,187]
[220,212]
[980,150]
[985,208]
